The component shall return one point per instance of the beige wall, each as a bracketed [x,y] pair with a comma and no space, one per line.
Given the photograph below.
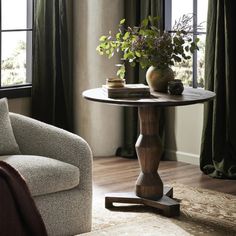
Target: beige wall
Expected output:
[99,124]
[183,133]
[20,105]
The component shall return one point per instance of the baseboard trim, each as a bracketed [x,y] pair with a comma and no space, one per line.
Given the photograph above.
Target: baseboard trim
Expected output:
[182,156]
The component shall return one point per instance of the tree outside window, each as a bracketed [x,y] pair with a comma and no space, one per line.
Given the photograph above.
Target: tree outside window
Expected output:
[16,42]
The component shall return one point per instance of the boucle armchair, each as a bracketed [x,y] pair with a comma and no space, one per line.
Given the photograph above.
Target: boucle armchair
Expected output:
[57,167]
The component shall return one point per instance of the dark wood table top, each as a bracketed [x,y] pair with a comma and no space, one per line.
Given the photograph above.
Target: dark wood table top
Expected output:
[189,96]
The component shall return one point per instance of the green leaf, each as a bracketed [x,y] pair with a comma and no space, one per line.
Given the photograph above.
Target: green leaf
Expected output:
[138,54]
[144,23]
[126,36]
[150,18]
[112,50]
[128,55]
[133,64]
[121,71]
[176,40]
[192,48]
[122,21]
[107,46]
[154,28]
[186,48]
[111,55]
[103,38]
[118,35]
[177,59]
[181,40]
[143,66]
[155,20]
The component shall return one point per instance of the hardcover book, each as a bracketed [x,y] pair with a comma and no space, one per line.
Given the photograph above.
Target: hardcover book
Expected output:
[128,91]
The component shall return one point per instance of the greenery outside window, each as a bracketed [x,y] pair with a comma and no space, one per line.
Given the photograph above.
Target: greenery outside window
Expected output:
[16,46]
[191,72]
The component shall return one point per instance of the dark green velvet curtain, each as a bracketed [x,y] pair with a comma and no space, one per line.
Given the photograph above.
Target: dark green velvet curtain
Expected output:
[135,11]
[52,90]
[218,155]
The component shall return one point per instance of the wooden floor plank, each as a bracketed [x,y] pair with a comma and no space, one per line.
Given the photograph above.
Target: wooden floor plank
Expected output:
[120,174]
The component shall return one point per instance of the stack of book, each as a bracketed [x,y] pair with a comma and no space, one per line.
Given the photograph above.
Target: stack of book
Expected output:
[128,91]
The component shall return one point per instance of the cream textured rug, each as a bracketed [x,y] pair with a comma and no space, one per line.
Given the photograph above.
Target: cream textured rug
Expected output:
[203,212]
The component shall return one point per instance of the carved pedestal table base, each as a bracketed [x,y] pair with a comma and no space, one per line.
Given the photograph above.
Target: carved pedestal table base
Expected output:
[149,188]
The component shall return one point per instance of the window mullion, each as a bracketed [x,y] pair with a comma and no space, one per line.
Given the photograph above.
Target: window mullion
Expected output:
[168,15]
[16,30]
[29,42]
[195,83]
[1,43]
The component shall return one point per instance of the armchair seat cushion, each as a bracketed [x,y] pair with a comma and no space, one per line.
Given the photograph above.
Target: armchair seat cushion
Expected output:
[44,175]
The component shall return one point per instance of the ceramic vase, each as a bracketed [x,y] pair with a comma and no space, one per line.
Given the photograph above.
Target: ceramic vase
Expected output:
[158,79]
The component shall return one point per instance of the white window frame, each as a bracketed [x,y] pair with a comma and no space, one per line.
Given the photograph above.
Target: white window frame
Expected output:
[28,30]
[195,33]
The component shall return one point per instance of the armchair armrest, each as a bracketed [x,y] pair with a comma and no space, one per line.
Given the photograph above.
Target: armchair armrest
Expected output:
[38,138]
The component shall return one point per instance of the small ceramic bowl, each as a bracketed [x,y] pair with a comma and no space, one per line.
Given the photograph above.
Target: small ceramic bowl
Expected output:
[175,87]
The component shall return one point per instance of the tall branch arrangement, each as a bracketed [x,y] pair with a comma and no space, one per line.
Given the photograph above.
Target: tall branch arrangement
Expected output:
[148,45]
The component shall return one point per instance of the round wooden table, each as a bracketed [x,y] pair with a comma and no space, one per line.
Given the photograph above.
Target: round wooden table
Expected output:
[149,188]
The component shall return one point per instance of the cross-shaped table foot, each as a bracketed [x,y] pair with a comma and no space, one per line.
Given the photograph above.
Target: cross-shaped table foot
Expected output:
[166,205]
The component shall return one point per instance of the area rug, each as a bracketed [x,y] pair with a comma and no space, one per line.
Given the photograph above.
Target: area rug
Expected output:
[203,212]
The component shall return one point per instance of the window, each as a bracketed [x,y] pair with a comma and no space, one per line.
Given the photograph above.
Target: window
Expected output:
[191,73]
[16,43]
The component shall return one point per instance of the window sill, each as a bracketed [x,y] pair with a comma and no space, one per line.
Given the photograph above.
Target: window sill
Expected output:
[16,92]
